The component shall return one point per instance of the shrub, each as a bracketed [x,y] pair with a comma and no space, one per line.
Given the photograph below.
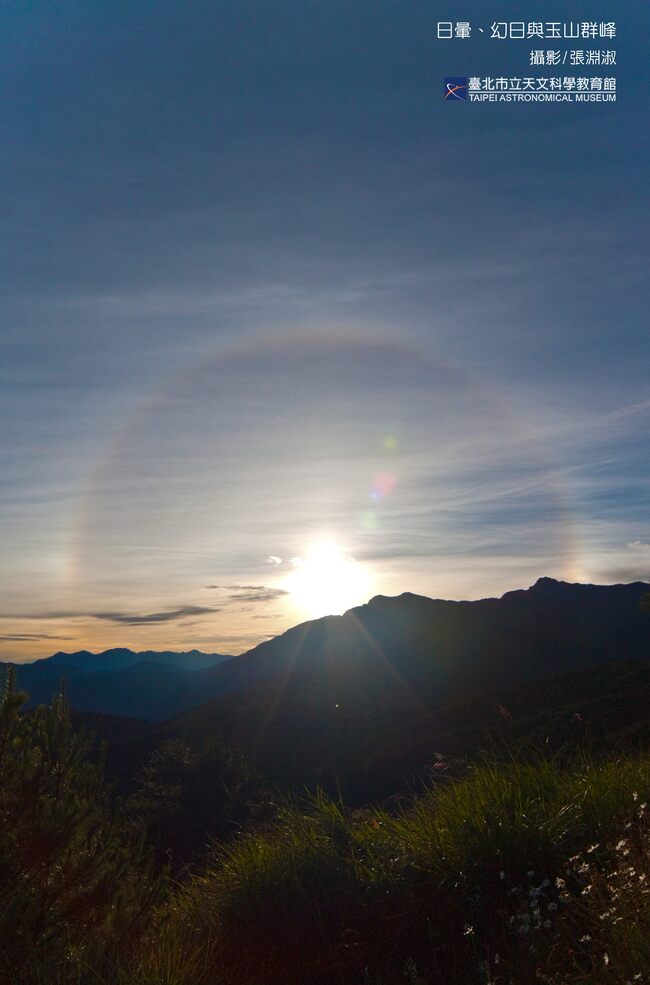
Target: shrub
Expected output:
[72,884]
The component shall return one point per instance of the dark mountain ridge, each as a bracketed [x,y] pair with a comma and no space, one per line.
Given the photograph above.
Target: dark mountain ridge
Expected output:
[147,684]
[405,652]
[373,694]
[117,658]
[456,645]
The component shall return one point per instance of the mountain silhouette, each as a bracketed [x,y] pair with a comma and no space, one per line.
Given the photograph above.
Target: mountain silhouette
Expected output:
[119,658]
[330,696]
[405,653]
[410,641]
[148,684]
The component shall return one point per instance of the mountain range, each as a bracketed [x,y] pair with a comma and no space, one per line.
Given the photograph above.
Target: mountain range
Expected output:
[120,658]
[364,699]
[147,684]
[393,656]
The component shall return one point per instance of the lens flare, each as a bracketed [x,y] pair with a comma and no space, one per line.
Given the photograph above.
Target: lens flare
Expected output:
[382,487]
[368,521]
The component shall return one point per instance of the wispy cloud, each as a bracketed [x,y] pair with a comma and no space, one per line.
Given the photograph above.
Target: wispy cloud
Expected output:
[626,576]
[250,593]
[144,619]
[121,618]
[633,564]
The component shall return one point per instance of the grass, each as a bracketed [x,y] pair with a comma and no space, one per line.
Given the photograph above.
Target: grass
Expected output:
[478,881]
[522,870]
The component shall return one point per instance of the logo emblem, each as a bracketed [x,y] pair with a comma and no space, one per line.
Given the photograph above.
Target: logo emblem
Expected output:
[455,88]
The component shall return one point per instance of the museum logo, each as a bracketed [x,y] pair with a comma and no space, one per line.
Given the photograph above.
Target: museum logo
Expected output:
[455,88]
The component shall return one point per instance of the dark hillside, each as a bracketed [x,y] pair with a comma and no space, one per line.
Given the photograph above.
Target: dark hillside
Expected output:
[371,747]
[409,653]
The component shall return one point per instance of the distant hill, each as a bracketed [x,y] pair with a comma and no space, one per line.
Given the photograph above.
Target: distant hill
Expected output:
[392,656]
[119,658]
[148,684]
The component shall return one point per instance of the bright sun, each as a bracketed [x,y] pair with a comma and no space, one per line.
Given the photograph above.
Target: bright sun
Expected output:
[326,582]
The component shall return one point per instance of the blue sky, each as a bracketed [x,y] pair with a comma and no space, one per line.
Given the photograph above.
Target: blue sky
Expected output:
[264,291]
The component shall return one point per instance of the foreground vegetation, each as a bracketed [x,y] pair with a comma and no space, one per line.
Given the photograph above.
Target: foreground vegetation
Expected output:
[523,870]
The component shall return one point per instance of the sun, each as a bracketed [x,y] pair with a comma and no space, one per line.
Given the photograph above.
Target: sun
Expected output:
[327,582]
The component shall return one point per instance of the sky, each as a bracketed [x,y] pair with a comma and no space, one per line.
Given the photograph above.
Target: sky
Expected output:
[281,329]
